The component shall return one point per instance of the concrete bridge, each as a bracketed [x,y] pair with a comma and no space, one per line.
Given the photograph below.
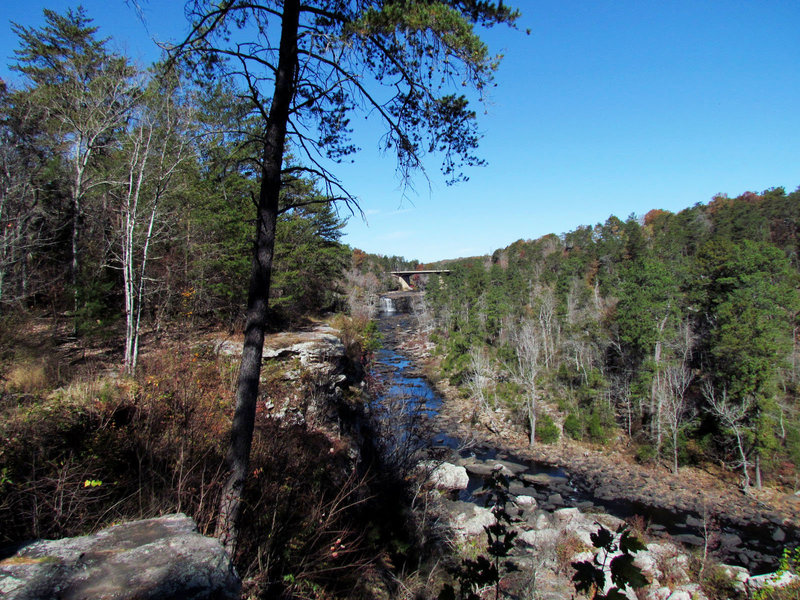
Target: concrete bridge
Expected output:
[405,276]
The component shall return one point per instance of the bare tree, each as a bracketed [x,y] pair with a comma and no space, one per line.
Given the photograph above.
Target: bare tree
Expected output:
[678,378]
[733,417]
[158,142]
[528,346]
[362,293]
[549,325]
[479,374]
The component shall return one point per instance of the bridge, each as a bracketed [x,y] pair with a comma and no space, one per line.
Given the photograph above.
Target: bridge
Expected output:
[405,276]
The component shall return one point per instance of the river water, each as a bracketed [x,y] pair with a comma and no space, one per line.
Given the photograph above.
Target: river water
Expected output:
[409,404]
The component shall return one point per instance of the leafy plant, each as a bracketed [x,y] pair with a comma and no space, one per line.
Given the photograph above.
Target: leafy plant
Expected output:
[485,571]
[614,559]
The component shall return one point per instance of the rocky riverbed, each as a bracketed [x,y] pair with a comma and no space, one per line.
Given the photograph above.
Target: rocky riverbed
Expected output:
[693,509]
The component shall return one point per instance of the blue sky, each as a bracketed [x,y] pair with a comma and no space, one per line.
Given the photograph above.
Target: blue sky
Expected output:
[607,107]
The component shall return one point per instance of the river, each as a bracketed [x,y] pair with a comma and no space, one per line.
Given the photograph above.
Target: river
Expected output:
[407,399]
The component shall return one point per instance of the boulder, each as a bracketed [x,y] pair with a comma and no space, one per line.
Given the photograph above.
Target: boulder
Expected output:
[693,522]
[778,534]
[529,502]
[479,469]
[542,521]
[739,575]
[469,525]
[449,477]
[564,516]
[689,539]
[540,538]
[661,593]
[774,580]
[544,480]
[510,467]
[163,558]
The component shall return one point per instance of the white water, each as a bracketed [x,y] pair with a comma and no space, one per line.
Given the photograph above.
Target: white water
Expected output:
[387,306]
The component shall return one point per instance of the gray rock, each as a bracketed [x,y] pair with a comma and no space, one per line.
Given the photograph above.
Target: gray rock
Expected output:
[539,538]
[693,522]
[519,490]
[778,534]
[479,469]
[555,500]
[544,479]
[689,539]
[512,467]
[164,558]
[449,477]
[774,580]
[529,502]
[730,540]
[469,525]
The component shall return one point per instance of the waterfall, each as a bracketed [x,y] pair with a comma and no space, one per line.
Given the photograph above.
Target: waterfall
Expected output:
[387,306]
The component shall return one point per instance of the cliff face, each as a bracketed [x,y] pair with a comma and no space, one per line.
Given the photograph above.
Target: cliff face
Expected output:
[307,380]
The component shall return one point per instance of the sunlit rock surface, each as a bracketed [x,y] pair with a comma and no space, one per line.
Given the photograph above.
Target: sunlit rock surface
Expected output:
[163,558]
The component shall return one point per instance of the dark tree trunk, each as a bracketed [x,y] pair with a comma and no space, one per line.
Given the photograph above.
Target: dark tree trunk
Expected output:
[258,295]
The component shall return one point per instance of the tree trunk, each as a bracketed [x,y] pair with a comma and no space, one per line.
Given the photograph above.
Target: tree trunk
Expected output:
[238,457]
[532,421]
[675,449]
[758,471]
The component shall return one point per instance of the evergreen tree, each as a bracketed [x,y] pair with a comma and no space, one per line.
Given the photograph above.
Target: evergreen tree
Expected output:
[314,76]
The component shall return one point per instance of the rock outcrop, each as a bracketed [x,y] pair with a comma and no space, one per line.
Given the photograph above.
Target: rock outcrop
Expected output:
[160,559]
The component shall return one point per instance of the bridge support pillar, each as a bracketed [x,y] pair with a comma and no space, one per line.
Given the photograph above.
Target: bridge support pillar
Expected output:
[405,282]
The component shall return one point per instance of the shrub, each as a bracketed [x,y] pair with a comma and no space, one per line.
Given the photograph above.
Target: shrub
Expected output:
[546,430]
[599,423]
[645,453]
[568,546]
[573,427]
[359,335]
[718,585]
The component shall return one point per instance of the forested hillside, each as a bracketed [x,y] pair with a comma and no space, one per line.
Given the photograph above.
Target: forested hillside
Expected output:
[127,194]
[676,332]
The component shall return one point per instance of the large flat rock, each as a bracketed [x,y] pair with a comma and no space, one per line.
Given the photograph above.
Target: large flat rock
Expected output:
[163,558]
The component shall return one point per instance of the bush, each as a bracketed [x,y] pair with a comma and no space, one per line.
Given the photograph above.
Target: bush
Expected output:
[359,335]
[645,453]
[573,427]
[718,585]
[546,431]
[599,424]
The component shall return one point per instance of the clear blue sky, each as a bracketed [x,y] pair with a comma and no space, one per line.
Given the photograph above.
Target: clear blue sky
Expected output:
[607,107]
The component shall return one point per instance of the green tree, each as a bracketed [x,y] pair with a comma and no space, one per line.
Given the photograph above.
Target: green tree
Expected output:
[748,301]
[330,59]
[647,318]
[309,259]
[83,94]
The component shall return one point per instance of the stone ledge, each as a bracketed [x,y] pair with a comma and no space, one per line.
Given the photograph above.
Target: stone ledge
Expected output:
[162,558]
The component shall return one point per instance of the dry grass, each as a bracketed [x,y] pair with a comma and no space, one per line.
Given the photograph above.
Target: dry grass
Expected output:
[567,547]
[27,378]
